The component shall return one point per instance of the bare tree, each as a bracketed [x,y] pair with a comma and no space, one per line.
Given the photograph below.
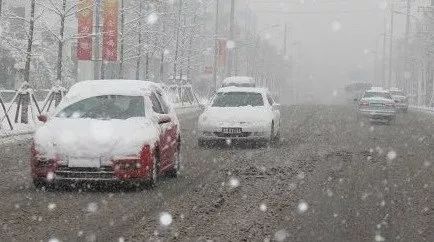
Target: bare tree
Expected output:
[30,41]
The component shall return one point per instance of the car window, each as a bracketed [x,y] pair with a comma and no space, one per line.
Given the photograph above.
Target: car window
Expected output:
[238,99]
[105,107]
[156,105]
[270,100]
[164,105]
[377,95]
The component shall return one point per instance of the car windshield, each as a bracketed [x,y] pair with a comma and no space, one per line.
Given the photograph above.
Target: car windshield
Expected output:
[105,107]
[238,99]
[377,95]
[397,93]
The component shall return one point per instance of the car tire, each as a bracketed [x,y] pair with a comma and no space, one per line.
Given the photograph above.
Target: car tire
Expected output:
[174,172]
[40,184]
[201,143]
[272,136]
[152,182]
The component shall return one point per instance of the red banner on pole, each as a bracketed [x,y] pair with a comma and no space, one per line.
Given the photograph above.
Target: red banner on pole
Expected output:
[110,30]
[85,22]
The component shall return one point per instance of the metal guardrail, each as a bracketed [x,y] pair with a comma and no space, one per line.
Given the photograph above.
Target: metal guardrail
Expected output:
[423,109]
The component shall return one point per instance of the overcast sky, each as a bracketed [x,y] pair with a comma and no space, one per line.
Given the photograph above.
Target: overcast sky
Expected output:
[335,36]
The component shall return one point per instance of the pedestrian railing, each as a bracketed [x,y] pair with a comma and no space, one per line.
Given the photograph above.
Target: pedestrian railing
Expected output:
[15,112]
[423,109]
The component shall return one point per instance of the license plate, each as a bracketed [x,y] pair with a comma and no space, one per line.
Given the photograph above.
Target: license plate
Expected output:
[232,130]
[377,104]
[84,162]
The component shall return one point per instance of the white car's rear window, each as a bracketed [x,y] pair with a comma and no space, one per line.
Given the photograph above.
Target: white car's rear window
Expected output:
[238,99]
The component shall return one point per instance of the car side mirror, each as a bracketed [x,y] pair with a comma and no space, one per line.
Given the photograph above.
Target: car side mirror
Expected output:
[43,118]
[164,119]
[355,99]
[276,106]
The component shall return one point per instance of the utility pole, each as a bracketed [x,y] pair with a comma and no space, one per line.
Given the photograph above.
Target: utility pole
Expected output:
[216,50]
[178,26]
[407,35]
[285,40]
[163,30]
[383,69]
[392,8]
[231,38]
[121,59]
[139,44]
[30,42]
[97,57]
[60,43]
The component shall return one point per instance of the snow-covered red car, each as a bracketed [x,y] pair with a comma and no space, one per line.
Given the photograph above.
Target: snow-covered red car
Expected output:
[108,130]
[240,113]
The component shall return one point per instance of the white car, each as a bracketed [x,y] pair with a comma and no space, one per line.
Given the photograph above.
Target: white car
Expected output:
[239,81]
[108,130]
[240,113]
[377,105]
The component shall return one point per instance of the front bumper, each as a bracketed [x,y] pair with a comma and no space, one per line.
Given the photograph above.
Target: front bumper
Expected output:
[378,113]
[110,173]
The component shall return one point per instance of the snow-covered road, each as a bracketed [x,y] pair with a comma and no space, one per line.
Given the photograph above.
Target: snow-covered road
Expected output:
[330,178]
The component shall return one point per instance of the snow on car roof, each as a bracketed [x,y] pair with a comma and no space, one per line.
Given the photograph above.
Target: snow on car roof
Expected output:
[377,89]
[243,89]
[110,87]
[395,89]
[239,79]
[92,88]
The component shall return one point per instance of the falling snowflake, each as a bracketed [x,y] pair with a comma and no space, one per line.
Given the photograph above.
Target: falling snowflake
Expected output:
[329,193]
[52,206]
[336,26]
[301,175]
[165,219]
[53,240]
[92,207]
[302,207]
[228,141]
[281,235]
[121,239]
[263,207]
[152,18]
[50,176]
[379,238]
[234,182]
[391,155]
[230,44]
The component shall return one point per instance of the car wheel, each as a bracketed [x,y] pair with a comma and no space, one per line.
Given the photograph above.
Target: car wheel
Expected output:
[154,172]
[40,184]
[391,121]
[201,143]
[272,135]
[174,172]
